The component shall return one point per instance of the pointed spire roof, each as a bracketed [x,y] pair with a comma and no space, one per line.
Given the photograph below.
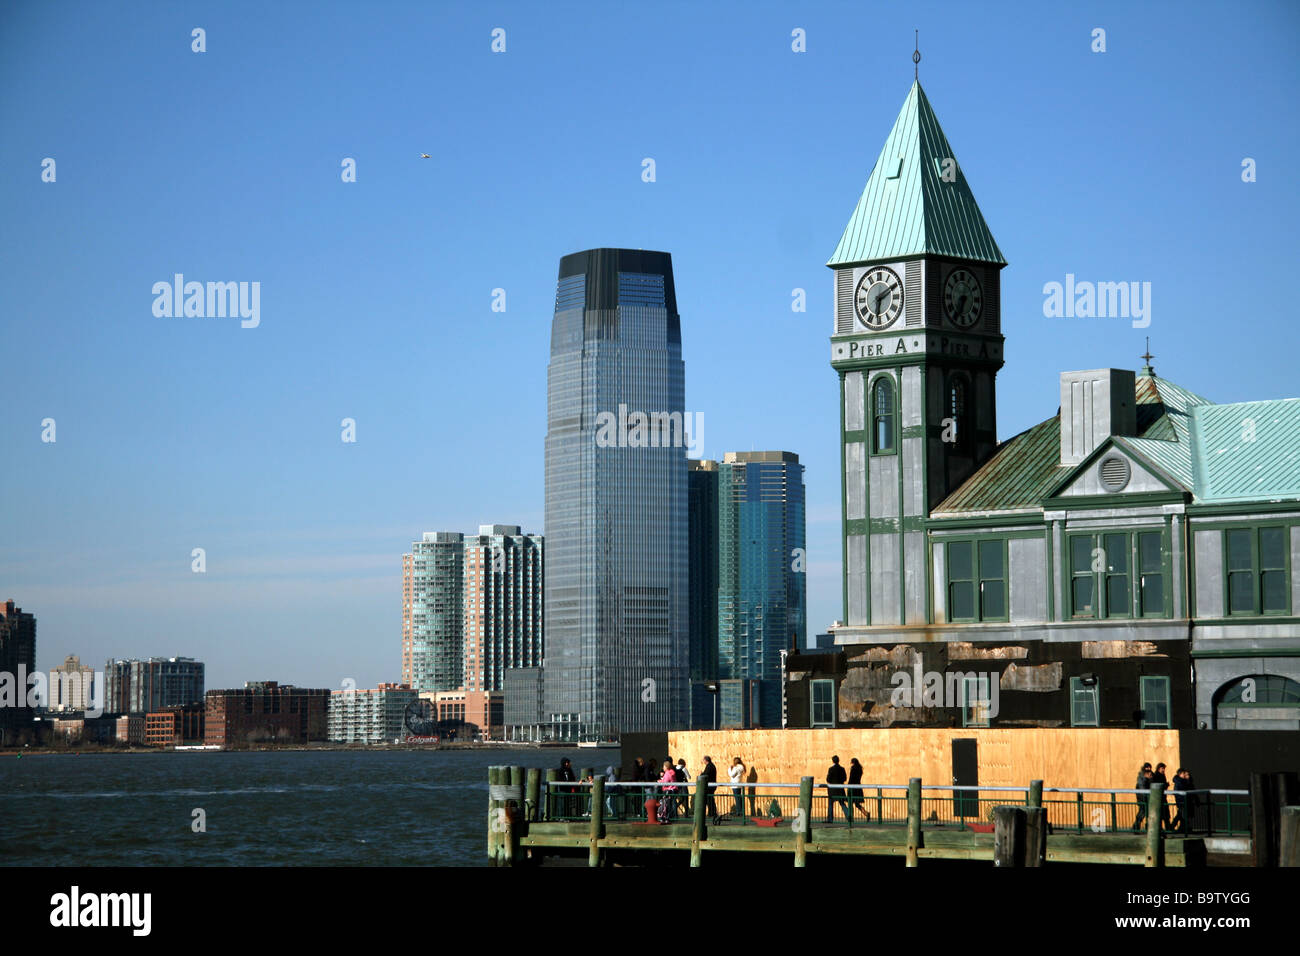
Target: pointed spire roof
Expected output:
[907,209]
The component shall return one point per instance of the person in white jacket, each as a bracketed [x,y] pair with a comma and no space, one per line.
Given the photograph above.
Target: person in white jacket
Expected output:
[736,773]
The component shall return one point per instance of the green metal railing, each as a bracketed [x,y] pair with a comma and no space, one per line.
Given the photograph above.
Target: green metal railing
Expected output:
[1200,812]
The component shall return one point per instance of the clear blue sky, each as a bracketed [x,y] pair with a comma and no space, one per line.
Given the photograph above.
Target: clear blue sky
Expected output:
[376,296]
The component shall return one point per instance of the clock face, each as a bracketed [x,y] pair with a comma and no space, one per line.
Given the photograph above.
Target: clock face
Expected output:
[961,298]
[878,300]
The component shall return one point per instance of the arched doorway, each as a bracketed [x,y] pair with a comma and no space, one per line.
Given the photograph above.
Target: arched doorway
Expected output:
[1258,702]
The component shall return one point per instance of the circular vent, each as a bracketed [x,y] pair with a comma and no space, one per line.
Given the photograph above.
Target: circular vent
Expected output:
[1114,473]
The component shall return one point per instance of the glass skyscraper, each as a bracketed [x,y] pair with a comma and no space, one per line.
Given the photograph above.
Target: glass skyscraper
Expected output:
[762,581]
[616,512]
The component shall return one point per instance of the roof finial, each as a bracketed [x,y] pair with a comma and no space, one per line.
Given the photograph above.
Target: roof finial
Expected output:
[916,57]
[1147,357]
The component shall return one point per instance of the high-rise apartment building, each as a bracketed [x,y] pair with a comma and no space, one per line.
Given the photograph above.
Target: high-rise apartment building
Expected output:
[71,685]
[369,716]
[762,607]
[471,608]
[503,604]
[617,643]
[18,660]
[433,612]
[141,686]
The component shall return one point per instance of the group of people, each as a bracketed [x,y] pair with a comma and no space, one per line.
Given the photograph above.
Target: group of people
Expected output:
[848,801]
[1185,802]
[671,794]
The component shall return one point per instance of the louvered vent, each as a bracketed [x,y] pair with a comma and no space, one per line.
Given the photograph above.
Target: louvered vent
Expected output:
[843,300]
[992,312]
[912,302]
[1114,472]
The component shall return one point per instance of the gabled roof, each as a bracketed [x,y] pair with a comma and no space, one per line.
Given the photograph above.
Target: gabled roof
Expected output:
[1247,451]
[1027,468]
[907,209]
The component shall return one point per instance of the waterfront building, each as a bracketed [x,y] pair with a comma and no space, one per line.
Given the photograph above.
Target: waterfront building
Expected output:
[369,716]
[433,612]
[265,712]
[182,724]
[138,686]
[130,729]
[469,714]
[71,685]
[17,661]
[762,584]
[471,608]
[1127,562]
[616,601]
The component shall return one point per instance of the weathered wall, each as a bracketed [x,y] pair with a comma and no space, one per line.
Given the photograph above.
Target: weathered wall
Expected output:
[1087,757]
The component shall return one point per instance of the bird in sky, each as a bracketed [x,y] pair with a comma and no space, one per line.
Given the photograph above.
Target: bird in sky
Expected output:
[425,156]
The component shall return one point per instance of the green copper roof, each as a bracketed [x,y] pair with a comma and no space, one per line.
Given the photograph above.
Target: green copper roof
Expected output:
[1024,469]
[1247,451]
[906,208]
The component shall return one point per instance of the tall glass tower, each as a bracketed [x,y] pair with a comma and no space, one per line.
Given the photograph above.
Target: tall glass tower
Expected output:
[762,584]
[616,599]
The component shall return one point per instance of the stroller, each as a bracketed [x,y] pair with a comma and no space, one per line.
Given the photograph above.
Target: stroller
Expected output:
[667,803]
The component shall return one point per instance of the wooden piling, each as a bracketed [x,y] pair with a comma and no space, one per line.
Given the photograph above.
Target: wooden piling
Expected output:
[1289,845]
[544,813]
[803,821]
[913,820]
[1008,836]
[1035,793]
[698,832]
[532,791]
[597,819]
[1035,836]
[494,780]
[1155,814]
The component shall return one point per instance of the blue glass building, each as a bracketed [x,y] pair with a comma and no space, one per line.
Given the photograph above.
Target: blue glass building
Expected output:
[762,584]
[616,597]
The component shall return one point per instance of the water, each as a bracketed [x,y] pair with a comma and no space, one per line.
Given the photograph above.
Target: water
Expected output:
[289,808]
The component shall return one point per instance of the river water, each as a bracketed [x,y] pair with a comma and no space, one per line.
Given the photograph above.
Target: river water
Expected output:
[285,808]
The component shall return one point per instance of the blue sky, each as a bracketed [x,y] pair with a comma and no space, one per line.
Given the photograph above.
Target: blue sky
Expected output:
[179,433]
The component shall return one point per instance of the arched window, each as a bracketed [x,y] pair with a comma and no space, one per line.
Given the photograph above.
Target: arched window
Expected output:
[882,412]
[959,413]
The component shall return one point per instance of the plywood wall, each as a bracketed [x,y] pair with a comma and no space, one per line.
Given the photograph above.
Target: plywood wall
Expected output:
[1007,758]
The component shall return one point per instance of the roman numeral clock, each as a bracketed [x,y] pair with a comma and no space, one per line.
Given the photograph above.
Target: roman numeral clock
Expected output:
[917,345]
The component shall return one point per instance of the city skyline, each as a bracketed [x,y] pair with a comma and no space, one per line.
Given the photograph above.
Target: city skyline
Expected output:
[177,434]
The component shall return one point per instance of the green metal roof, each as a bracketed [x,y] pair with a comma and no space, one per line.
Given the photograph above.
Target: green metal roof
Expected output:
[906,208]
[1024,469]
[1247,451]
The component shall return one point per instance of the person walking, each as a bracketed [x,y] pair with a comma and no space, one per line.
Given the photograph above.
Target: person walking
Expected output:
[564,776]
[1143,783]
[709,774]
[1184,801]
[668,792]
[835,794]
[1158,776]
[736,774]
[857,800]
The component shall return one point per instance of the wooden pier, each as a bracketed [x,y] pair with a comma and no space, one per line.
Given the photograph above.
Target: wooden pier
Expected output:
[530,819]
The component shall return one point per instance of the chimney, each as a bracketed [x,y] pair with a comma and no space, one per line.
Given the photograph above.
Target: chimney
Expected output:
[1095,404]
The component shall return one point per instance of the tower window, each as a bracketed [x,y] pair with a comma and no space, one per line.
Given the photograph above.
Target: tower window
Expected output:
[883,417]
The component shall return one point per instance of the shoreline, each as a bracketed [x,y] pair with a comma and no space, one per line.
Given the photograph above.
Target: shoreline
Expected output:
[282,748]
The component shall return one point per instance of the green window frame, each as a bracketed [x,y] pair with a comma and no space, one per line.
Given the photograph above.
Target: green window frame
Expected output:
[1085,703]
[977,585]
[1131,579]
[1256,562]
[884,417]
[1155,701]
[822,703]
[975,698]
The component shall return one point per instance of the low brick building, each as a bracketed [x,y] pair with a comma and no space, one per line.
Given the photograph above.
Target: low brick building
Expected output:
[265,712]
[174,725]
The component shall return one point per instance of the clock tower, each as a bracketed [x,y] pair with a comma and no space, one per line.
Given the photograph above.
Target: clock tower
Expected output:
[917,344]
